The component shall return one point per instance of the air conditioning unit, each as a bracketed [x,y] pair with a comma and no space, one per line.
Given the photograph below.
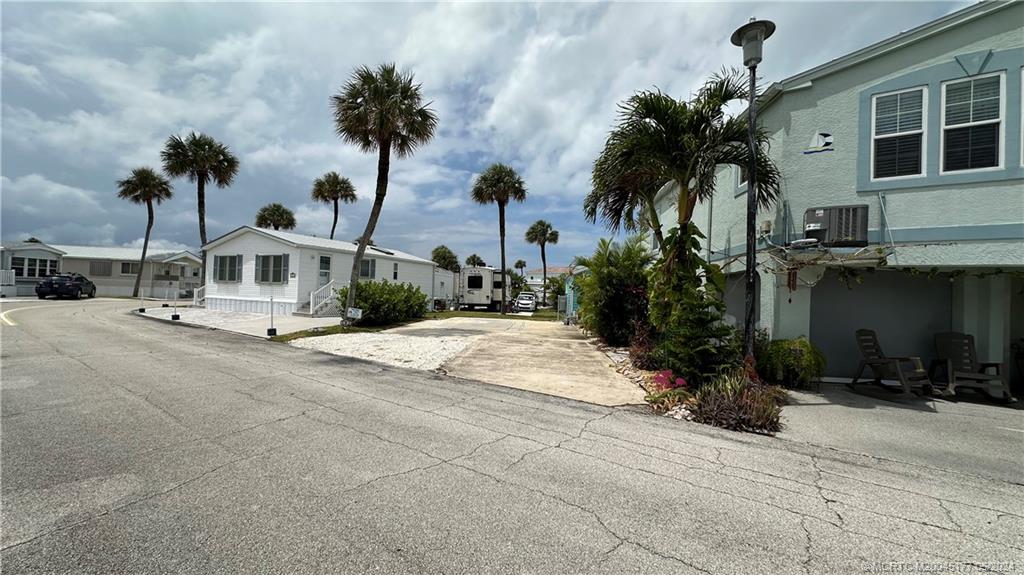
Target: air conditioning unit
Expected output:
[837,226]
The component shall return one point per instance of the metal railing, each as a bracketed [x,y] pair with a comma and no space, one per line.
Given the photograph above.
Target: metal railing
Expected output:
[199,296]
[321,297]
[6,277]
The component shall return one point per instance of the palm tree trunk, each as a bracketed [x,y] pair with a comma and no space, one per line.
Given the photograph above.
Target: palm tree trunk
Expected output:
[383,166]
[145,246]
[501,234]
[335,223]
[201,207]
[656,230]
[544,274]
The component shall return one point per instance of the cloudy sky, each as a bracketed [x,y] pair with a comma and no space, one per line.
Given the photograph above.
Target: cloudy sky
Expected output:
[91,91]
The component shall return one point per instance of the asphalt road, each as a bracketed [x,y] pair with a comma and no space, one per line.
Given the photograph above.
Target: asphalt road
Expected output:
[131,446]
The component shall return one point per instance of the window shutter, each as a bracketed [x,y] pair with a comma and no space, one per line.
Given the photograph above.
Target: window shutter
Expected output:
[259,268]
[238,268]
[284,268]
[373,269]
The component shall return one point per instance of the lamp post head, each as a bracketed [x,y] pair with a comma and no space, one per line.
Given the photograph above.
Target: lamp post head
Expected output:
[751,36]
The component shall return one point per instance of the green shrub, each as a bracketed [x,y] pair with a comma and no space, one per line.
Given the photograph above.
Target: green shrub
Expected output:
[641,346]
[734,402]
[792,363]
[385,303]
[613,289]
[686,309]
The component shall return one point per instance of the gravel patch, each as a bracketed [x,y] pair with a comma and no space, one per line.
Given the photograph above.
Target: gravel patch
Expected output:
[427,353]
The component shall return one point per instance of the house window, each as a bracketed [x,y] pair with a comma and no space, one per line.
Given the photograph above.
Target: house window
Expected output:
[51,267]
[30,267]
[101,268]
[129,268]
[368,269]
[394,271]
[741,177]
[227,268]
[272,269]
[898,138]
[18,265]
[972,123]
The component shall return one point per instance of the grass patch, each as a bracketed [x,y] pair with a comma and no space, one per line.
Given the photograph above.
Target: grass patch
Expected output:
[539,315]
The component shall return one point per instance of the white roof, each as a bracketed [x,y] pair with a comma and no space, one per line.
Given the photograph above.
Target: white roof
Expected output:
[315,242]
[121,253]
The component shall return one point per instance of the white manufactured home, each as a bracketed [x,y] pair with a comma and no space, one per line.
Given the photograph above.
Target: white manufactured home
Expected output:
[247,267]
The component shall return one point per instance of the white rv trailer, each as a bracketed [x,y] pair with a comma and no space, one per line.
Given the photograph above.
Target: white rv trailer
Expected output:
[480,287]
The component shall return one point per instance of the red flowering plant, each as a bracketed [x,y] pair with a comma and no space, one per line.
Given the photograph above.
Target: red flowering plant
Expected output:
[665,380]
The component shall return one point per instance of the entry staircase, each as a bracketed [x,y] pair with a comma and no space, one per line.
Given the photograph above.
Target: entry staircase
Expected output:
[322,303]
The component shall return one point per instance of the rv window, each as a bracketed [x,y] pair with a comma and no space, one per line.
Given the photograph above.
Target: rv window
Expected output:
[475,282]
[497,284]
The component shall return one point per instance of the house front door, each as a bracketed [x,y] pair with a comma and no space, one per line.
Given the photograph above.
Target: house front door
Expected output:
[324,277]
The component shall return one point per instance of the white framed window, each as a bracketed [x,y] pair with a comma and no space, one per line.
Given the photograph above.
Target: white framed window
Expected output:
[129,268]
[101,268]
[394,271]
[899,134]
[741,177]
[272,269]
[18,265]
[368,268]
[227,268]
[972,123]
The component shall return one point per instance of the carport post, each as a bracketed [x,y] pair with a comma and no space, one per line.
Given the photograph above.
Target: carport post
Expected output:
[271,331]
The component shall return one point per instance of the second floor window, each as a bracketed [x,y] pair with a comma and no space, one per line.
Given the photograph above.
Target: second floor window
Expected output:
[898,143]
[971,123]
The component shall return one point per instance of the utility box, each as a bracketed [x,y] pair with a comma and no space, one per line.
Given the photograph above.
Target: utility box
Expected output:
[837,226]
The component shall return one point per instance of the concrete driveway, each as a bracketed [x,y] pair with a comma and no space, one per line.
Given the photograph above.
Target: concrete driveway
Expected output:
[132,447]
[539,356]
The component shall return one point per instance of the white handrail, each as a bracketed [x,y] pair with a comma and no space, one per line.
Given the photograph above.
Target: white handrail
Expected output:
[321,296]
[199,295]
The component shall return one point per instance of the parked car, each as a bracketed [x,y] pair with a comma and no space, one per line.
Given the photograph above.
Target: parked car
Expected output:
[527,301]
[70,285]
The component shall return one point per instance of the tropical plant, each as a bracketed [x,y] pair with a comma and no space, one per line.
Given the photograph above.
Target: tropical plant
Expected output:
[521,266]
[613,288]
[686,311]
[792,363]
[445,258]
[275,216]
[734,401]
[499,184]
[144,186]
[556,286]
[200,159]
[380,111]
[661,141]
[387,303]
[542,234]
[333,188]
[475,261]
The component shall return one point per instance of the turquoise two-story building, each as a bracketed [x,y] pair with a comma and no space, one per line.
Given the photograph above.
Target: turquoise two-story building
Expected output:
[905,161]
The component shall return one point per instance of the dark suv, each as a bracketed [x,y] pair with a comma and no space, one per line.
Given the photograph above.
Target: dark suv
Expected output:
[71,285]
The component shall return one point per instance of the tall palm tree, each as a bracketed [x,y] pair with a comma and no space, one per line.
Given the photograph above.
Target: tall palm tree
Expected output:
[661,141]
[475,261]
[521,266]
[542,234]
[275,216]
[499,184]
[144,186]
[202,160]
[380,111]
[332,188]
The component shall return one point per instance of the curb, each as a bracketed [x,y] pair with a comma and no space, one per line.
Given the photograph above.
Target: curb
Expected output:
[191,325]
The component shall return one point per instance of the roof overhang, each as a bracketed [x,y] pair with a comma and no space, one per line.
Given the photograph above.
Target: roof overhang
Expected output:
[244,230]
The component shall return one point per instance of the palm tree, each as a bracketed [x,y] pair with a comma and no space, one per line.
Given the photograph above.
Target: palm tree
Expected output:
[380,111]
[521,266]
[499,184]
[201,159]
[332,188]
[542,234]
[275,216]
[475,261]
[144,186]
[661,141]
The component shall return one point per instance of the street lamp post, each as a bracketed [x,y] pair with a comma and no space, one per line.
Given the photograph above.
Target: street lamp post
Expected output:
[751,37]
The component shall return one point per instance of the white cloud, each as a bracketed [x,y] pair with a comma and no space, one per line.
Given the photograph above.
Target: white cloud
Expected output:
[158,245]
[34,195]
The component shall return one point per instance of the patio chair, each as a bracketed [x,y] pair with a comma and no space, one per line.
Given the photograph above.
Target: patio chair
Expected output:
[956,353]
[909,371]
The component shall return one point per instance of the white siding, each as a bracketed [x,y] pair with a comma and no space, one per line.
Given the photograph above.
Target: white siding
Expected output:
[247,295]
[444,284]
